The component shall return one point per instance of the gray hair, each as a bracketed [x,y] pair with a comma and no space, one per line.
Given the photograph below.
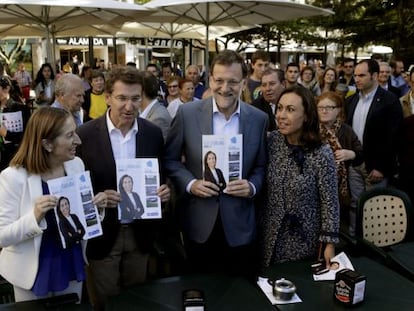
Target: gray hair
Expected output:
[66,83]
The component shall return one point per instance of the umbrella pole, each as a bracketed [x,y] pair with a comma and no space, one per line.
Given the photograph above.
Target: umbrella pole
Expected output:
[147,60]
[48,47]
[171,48]
[207,39]
[53,60]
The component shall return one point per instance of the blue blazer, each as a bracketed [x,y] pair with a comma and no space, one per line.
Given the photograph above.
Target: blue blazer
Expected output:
[185,138]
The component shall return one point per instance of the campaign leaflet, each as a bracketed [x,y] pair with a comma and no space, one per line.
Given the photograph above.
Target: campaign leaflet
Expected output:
[12,121]
[138,181]
[77,217]
[222,156]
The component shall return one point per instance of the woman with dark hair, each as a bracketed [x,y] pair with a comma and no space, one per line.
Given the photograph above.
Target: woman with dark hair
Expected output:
[44,85]
[130,205]
[343,141]
[69,224]
[307,79]
[328,80]
[211,172]
[301,212]
[32,257]
[11,133]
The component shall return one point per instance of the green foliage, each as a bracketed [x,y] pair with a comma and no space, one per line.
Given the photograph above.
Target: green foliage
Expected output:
[355,24]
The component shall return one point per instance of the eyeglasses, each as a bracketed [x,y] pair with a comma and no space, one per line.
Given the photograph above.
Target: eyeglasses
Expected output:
[349,66]
[326,108]
[124,99]
[231,83]
[172,86]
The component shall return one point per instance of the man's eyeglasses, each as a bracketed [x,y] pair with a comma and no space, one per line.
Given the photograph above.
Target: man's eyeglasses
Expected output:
[349,66]
[231,83]
[172,86]
[124,99]
[326,108]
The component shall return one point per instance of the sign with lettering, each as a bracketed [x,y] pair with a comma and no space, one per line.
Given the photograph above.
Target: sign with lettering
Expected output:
[83,41]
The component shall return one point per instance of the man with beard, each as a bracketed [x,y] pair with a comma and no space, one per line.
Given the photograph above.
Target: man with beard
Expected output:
[376,117]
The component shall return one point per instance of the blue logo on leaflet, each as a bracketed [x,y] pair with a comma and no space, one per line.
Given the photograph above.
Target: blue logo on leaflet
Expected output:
[233,140]
[82,178]
[149,164]
[91,233]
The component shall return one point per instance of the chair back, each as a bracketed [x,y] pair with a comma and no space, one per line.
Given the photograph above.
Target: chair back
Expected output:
[384,216]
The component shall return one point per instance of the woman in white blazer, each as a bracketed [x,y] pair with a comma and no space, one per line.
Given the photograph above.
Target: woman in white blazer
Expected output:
[32,258]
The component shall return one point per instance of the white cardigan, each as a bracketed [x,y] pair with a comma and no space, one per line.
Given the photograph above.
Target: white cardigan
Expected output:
[20,234]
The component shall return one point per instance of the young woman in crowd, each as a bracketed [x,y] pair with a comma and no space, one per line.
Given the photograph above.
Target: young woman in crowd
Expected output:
[307,79]
[44,85]
[328,81]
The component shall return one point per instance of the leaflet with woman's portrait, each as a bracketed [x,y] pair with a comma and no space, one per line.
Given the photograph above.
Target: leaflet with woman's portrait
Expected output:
[228,153]
[138,181]
[77,217]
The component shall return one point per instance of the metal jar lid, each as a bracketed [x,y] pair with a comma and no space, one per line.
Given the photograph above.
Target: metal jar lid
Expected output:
[283,289]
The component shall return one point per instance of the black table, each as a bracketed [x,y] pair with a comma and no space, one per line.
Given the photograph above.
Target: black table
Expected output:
[221,293]
[385,289]
[61,303]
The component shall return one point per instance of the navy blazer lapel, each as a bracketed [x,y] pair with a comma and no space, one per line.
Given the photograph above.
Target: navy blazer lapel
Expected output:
[245,123]
[376,102]
[104,142]
[351,108]
[205,117]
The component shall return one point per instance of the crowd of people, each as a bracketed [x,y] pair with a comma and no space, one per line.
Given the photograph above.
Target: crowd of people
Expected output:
[312,142]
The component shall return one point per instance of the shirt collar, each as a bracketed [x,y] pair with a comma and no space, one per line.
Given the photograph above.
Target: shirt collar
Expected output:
[111,126]
[216,110]
[143,114]
[369,95]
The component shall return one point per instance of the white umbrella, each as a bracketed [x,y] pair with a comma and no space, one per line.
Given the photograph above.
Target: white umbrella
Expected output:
[52,14]
[229,13]
[37,31]
[174,30]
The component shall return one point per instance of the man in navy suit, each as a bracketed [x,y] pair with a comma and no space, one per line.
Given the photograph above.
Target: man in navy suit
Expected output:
[376,117]
[219,226]
[119,258]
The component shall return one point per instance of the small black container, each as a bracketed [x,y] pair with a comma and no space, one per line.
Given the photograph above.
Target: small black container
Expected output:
[349,287]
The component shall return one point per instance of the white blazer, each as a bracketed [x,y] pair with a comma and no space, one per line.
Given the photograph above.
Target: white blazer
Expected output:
[20,234]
